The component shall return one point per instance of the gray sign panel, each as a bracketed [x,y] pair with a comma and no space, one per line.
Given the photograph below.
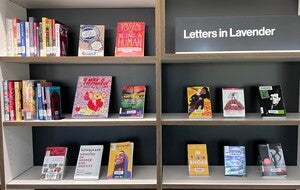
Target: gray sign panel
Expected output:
[265,33]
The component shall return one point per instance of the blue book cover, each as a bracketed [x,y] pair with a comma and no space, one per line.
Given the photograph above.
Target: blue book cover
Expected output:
[235,160]
[23,39]
[53,99]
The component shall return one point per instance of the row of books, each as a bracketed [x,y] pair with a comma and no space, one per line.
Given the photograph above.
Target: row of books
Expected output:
[270,99]
[89,162]
[270,155]
[31,38]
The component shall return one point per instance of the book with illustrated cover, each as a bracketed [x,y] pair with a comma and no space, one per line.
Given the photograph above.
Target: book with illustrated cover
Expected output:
[271,101]
[91,40]
[233,102]
[133,101]
[120,160]
[199,103]
[53,102]
[235,160]
[197,160]
[18,100]
[272,160]
[88,162]
[54,163]
[130,39]
[92,97]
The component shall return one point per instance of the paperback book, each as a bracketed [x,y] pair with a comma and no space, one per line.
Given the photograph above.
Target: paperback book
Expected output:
[199,103]
[233,102]
[133,101]
[235,160]
[197,160]
[92,97]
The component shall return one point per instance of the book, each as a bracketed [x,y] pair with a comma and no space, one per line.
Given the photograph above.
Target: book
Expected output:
[91,40]
[133,101]
[88,162]
[197,160]
[130,39]
[272,160]
[18,100]
[29,99]
[92,97]
[11,97]
[6,101]
[53,102]
[54,163]
[233,102]
[271,101]
[120,160]
[199,103]
[235,160]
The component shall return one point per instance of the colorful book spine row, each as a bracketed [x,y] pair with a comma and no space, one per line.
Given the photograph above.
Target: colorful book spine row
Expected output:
[31,38]
[31,100]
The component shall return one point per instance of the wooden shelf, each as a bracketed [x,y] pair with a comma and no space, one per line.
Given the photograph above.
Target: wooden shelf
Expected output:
[144,177]
[218,119]
[274,56]
[33,4]
[176,177]
[80,60]
[113,120]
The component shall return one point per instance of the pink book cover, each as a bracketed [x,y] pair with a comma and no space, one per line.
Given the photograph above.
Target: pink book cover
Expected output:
[92,97]
[130,39]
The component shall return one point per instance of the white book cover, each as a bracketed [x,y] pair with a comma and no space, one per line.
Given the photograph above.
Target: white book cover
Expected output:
[233,102]
[89,162]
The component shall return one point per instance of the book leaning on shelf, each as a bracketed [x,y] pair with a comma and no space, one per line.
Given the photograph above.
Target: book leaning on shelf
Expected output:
[233,102]
[235,160]
[197,160]
[199,103]
[120,160]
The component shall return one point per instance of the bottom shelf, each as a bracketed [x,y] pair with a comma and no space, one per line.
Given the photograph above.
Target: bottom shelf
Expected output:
[144,177]
[176,177]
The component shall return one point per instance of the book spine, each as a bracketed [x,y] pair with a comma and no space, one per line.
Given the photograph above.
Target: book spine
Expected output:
[44,37]
[11,95]
[28,91]
[22,39]
[39,102]
[9,37]
[27,39]
[32,33]
[64,35]
[48,37]
[19,50]
[39,40]
[18,100]
[6,101]
[48,103]
[57,39]
[15,22]
[53,38]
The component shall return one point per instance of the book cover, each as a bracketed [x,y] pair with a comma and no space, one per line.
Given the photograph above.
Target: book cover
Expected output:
[271,101]
[233,102]
[88,162]
[272,160]
[235,160]
[120,160]
[18,100]
[91,40]
[63,40]
[53,102]
[29,99]
[133,101]
[92,97]
[54,163]
[197,160]
[130,39]
[11,97]
[199,103]
[6,100]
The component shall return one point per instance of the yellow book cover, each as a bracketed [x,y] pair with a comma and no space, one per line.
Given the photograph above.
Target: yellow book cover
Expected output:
[197,159]
[199,104]
[120,160]
[18,100]
[44,37]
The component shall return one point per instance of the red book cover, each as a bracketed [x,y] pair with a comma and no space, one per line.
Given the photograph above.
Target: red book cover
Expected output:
[92,97]
[11,96]
[130,39]
[64,35]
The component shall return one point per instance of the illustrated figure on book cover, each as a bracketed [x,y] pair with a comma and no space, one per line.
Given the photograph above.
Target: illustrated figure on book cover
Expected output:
[120,166]
[199,104]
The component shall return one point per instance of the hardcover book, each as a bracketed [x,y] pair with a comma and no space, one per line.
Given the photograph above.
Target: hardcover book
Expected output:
[92,97]
[53,102]
[88,162]
[133,101]
[199,104]
[120,160]
[130,39]
[272,160]
[233,102]
[197,160]
[271,101]
[54,163]
[235,160]
[91,40]
[29,99]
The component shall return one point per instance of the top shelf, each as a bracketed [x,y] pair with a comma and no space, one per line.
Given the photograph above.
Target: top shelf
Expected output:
[37,4]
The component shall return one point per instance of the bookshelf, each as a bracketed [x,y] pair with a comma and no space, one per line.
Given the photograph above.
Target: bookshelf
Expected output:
[166,73]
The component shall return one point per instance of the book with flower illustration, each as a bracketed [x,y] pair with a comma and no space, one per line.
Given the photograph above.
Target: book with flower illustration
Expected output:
[233,102]
[197,160]
[199,103]
[92,97]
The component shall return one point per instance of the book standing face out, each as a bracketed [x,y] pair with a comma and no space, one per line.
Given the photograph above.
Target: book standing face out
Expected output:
[130,39]
[197,160]
[235,160]
[88,162]
[133,101]
[92,97]
[199,104]
[120,160]
[233,102]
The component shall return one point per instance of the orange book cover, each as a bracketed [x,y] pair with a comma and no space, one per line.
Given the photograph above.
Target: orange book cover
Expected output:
[18,100]
[199,103]
[197,159]
[130,39]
